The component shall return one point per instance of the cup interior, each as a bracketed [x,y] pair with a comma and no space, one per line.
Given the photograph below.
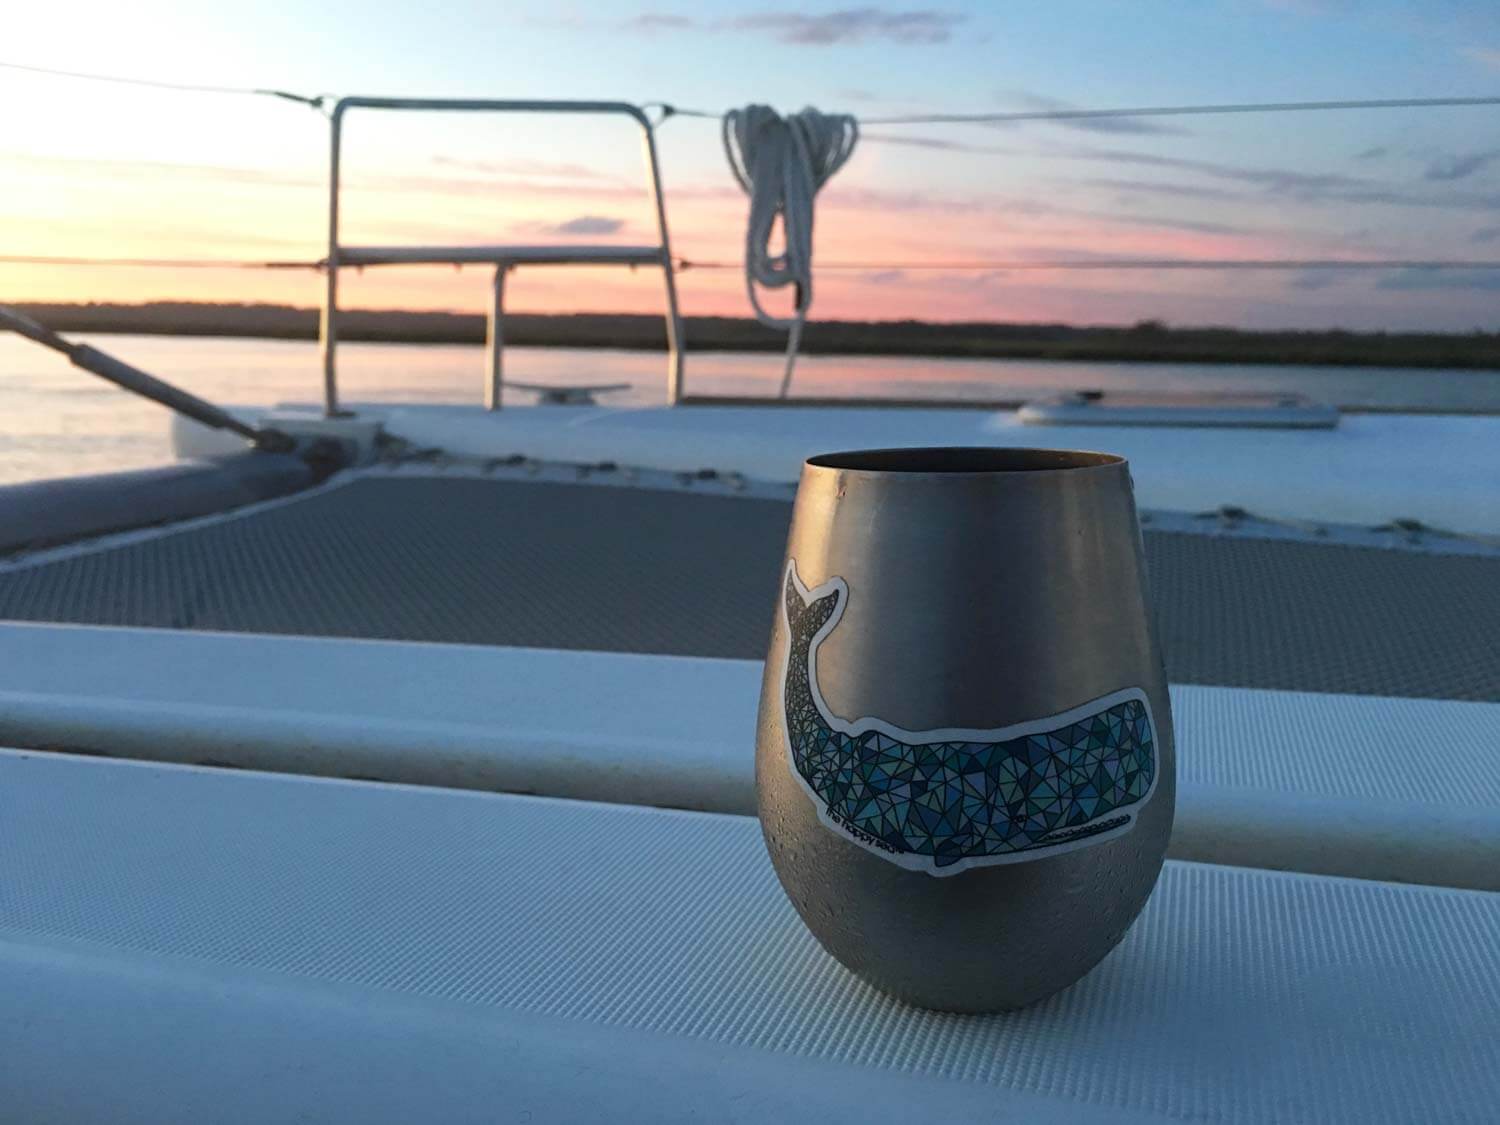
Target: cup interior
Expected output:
[963,459]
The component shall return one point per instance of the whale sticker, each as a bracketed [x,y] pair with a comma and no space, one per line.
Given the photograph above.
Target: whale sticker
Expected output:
[942,801]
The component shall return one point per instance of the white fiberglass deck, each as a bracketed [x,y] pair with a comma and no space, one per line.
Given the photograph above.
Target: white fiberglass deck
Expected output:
[1443,470]
[185,945]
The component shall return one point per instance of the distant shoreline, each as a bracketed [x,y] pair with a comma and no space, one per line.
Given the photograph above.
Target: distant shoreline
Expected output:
[1147,342]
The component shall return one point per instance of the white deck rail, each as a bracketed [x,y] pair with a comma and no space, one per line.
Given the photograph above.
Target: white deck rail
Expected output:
[1284,780]
[503,258]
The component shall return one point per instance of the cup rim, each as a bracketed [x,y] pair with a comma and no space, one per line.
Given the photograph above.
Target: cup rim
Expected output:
[964,460]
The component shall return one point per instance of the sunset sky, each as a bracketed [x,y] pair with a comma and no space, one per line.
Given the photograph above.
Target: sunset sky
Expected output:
[104,170]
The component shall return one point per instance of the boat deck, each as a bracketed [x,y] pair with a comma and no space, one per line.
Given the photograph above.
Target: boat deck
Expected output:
[672,565]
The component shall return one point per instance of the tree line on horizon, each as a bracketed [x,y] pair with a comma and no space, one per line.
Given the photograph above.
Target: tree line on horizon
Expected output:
[1145,341]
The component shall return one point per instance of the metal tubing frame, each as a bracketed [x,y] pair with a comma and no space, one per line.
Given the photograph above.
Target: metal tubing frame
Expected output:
[328,323]
[328,326]
[495,341]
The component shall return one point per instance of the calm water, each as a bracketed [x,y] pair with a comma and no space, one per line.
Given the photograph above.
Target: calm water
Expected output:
[58,421]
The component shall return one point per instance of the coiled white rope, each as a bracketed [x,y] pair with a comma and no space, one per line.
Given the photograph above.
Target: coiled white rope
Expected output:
[781,162]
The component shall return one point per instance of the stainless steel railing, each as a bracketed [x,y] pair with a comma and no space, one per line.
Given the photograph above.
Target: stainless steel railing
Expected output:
[504,258]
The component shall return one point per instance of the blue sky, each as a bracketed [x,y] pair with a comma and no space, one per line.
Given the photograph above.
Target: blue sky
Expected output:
[88,168]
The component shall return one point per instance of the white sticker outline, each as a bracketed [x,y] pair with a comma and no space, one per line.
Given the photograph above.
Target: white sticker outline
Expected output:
[854,728]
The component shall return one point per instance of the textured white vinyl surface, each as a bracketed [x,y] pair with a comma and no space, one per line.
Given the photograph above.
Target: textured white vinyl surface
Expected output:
[1238,996]
[1434,752]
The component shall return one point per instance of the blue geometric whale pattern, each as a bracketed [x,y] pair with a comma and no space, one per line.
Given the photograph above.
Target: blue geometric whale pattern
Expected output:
[960,801]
